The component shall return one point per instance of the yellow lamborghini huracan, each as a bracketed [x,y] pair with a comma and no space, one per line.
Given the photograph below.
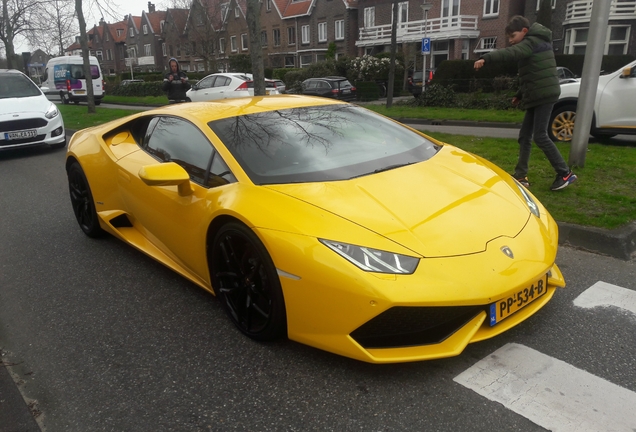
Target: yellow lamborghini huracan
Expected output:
[323,222]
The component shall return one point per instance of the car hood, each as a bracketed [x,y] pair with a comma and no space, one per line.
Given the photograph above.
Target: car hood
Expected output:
[33,104]
[452,204]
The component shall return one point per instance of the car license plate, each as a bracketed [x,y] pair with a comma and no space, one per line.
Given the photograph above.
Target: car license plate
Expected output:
[346,91]
[31,133]
[505,307]
[80,92]
[418,84]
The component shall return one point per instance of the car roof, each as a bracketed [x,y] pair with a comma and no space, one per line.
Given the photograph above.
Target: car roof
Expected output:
[11,71]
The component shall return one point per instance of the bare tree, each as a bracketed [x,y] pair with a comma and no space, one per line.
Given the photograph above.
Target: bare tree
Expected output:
[256,51]
[16,20]
[55,27]
[389,92]
[90,98]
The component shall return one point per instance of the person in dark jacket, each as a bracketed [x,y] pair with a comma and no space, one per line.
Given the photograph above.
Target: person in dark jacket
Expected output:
[175,83]
[539,89]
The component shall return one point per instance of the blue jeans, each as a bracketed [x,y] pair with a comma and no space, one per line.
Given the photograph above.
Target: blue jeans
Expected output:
[535,125]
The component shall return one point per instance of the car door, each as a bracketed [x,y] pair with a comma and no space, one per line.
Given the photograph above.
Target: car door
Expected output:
[175,223]
[222,89]
[616,99]
[202,90]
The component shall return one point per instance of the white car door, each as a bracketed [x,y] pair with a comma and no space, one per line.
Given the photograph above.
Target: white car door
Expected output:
[203,89]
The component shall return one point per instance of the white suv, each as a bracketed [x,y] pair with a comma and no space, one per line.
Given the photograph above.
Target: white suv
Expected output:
[613,108]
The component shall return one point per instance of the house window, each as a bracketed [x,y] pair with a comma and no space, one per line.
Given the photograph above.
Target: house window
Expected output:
[161,25]
[618,39]
[575,41]
[163,49]
[200,67]
[237,12]
[486,44]
[305,34]
[147,50]
[322,32]
[244,42]
[268,4]
[131,32]
[276,37]
[145,29]
[369,17]
[291,35]
[99,56]
[403,12]
[339,28]
[178,50]
[109,55]
[233,45]
[305,60]
[439,52]
[290,61]
[539,4]
[465,49]
[491,8]
[107,36]
[321,57]
[119,32]
[222,46]
[264,38]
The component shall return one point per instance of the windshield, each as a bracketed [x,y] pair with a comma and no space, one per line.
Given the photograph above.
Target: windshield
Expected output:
[17,86]
[325,143]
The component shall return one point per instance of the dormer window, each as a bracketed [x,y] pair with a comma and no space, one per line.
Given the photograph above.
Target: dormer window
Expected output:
[131,32]
[237,12]
[145,29]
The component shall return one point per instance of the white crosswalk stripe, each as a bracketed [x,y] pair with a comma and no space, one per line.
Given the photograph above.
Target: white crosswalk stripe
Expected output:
[605,294]
[550,392]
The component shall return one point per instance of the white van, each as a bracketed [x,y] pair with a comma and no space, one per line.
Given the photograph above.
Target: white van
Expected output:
[64,80]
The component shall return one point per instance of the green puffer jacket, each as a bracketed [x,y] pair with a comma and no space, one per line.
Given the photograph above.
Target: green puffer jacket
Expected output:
[538,81]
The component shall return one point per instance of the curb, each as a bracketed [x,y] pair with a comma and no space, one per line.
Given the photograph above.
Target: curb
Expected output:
[470,123]
[618,243]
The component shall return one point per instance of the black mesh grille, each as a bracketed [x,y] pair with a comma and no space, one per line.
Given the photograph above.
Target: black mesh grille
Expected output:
[403,326]
[22,124]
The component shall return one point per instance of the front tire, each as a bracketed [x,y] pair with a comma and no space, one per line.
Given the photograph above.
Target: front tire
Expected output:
[246,282]
[82,202]
[561,126]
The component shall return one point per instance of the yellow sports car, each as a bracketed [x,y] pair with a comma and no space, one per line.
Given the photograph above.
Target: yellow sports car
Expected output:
[323,222]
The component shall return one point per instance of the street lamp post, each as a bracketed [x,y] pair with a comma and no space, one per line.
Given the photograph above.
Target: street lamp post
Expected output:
[425,8]
[130,61]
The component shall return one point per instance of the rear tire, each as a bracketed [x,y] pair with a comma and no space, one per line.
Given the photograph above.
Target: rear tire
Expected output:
[561,126]
[82,202]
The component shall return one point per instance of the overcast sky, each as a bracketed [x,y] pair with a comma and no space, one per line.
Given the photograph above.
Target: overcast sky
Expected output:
[93,14]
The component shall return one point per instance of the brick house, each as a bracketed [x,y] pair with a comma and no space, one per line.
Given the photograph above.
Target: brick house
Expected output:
[202,28]
[143,40]
[571,22]
[457,30]
[173,35]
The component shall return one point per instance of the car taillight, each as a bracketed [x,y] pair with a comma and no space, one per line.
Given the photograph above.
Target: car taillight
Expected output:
[353,89]
[243,86]
[68,85]
[103,85]
[430,75]
[335,91]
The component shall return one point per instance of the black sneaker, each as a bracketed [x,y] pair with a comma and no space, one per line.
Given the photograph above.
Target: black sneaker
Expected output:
[523,181]
[563,182]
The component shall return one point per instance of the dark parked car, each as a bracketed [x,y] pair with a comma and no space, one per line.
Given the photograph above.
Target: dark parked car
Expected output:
[332,87]
[566,75]
[414,82]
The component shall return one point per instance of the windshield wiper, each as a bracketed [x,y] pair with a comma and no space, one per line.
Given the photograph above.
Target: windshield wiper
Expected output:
[386,168]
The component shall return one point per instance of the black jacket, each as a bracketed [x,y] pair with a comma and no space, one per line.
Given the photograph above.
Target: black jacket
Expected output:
[177,88]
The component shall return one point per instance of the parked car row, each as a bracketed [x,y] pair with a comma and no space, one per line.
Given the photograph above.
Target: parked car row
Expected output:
[228,85]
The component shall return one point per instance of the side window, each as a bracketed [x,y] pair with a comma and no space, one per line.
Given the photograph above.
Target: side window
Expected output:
[222,81]
[176,140]
[206,82]
[220,174]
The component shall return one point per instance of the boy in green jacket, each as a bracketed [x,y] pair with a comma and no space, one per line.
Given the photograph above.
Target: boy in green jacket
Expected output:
[539,89]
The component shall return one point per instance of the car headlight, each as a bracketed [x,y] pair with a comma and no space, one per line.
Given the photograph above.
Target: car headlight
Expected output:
[373,260]
[534,208]
[51,112]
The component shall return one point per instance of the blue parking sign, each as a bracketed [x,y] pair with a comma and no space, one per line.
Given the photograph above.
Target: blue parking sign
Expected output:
[426,45]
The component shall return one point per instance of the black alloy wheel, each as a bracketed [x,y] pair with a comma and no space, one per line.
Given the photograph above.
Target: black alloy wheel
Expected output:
[246,282]
[82,201]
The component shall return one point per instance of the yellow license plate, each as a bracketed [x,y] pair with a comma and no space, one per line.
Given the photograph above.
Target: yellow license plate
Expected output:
[80,91]
[502,309]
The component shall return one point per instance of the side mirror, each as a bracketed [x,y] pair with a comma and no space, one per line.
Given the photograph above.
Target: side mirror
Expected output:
[44,89]
[167,174]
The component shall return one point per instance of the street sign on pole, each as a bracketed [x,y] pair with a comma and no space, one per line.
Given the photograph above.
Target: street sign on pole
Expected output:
[426,45]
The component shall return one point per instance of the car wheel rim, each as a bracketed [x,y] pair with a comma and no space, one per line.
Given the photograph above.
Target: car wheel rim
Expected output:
[81,200]
[563,125]
[243,282]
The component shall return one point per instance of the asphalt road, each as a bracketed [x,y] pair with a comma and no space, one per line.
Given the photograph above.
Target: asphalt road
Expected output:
[100,337]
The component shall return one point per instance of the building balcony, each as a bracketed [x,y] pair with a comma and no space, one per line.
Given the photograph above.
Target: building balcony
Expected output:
[580,11]
[456,27]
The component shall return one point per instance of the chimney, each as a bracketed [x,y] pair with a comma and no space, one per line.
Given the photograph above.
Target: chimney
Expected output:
[151,7]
